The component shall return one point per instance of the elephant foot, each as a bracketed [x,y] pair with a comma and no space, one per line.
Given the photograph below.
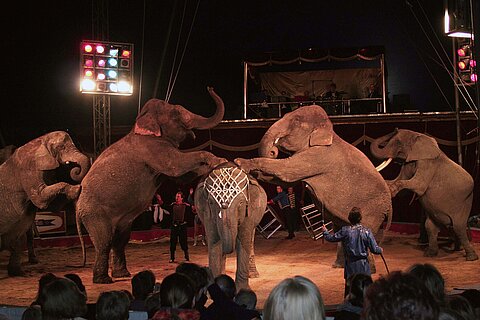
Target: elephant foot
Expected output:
[430,253]
[121,273]
[472,256]
[102,279]
[15,272]
[32,260]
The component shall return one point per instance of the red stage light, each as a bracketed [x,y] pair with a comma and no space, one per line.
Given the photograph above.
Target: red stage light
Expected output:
[473,63]
[473,77]
[125,53]
[89,63]
[88,48]
[461,52]
[462,65]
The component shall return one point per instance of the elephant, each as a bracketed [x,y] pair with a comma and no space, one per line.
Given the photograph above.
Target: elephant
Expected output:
[123,180]
[338,175]
[231,204]
[444,189]
[24,187]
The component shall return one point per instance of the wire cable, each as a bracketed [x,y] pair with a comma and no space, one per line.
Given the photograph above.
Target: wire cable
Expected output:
[141,59]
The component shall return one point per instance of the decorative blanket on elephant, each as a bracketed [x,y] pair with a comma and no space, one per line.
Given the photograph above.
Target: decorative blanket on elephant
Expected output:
[225,184]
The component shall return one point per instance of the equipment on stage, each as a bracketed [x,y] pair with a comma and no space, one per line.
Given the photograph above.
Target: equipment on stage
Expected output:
[314,221]
[271,226]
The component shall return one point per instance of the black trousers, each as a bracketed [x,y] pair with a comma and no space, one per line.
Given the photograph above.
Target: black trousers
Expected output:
[178,233]
[291,220]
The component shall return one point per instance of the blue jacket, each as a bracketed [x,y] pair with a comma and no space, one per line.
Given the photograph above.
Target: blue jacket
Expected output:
[356,241]
[282,199]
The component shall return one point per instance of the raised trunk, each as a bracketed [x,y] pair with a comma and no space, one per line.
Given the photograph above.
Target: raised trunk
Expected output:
[199,122]
[379,149]
[78,172]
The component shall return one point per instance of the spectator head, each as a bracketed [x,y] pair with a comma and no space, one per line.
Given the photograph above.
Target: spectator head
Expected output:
[153,304]
[399,296]
[227,285]
[177,291]
[197,274]
[461,305]
[112,305]
[42,283]
[246,298]
[33,312]
[63,300]
[359,284]
[355,215]
[294,298]
[473,296]
[142,284]
[129,294]
[432,279]
[78,281]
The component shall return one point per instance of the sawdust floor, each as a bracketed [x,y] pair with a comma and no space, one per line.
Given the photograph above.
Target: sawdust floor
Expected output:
[276,259]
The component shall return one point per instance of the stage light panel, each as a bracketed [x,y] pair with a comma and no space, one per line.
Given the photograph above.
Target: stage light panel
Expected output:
[108,67]
[462,65]
[473,77]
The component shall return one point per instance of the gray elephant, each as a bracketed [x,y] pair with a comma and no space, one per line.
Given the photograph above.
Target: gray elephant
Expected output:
[124,178]
[24,187]
[444,189]
[337,174]
[231,204]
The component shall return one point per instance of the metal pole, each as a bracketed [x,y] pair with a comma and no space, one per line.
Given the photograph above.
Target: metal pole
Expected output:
[384,85]
[245,77]
[457,102]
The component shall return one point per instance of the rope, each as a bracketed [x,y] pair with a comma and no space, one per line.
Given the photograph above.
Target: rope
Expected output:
[225,184]
[385,263]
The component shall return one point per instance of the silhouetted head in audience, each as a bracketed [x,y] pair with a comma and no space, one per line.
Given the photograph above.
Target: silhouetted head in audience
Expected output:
[42,282]
[355,215]
[142,284]
[432,278]
[198,275]
[78,281]
[473,296]
[177,291]
[246,298]
[462,306]
[63,300]
[227,285]
[399,296]
[294,298]
[359,284]
[112,305]
[34,312]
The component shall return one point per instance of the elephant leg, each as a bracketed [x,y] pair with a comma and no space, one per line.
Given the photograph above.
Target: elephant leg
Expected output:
[32,257]
[243,256]
[432,231]
[252,267]
[120,241]
[42,197]
[14,267]
[340,261]
[100,232]
[460,230]
[216,258]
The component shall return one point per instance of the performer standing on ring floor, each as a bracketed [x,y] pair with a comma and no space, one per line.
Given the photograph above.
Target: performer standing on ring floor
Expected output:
[178,230]
[356,240]
[286,202]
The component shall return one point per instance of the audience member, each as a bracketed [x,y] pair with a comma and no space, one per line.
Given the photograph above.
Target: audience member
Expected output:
[294,298]
[222,292]
[246,298]
[200,279]
[34,312]
[177,295]
[432,279]
[372,91]
[462,306]
[63,300]
[353,305]
[78,281]
[399,296]
[153,304]
[473,296]
[142,285]
[331,93]
[357,240]
[42,282]
[112,305]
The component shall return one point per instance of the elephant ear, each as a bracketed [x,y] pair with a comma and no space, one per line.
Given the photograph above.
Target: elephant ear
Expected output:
[322,135]
[44,159]
[423,148]
[147,121]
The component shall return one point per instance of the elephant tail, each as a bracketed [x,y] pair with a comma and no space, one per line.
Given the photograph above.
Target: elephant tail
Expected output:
[80,236]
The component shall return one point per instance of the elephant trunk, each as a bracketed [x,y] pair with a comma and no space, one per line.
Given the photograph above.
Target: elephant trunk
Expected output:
[228,232]
[267,148]
[199,122]
[83,164]
[379,148]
